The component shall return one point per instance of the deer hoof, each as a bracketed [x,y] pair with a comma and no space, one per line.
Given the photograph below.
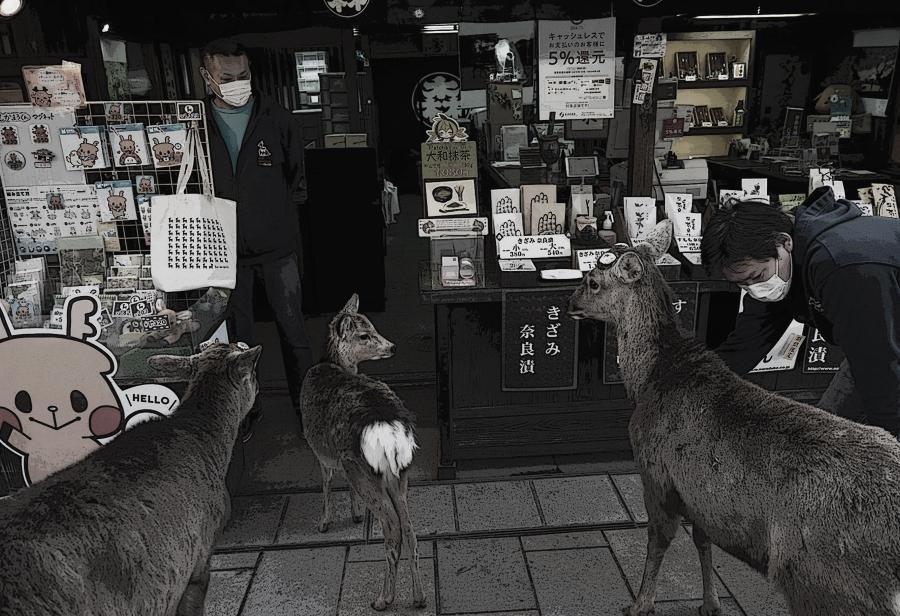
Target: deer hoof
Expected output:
[714,610]
[379,604]
[357,519]
[420,603]
[636,611]
[323,526]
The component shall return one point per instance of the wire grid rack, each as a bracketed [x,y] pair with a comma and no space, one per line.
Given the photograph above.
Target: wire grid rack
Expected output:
[207,305]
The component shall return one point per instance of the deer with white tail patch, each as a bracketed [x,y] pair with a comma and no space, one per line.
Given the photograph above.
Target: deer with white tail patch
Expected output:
[809,499]
[358,425]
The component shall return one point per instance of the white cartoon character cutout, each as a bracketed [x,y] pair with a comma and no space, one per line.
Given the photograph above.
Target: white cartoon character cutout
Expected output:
[58,402]
[57,420]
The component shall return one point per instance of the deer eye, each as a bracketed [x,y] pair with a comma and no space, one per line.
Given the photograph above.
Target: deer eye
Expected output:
[79,401]
[23,402]
[364,336]
[593,284]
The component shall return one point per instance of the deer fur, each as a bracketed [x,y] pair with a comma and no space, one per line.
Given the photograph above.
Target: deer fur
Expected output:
[809,499]
[128,530]
[358,425]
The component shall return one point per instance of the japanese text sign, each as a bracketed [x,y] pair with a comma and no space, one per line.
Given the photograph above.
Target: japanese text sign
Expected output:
[576,68]
[540,342]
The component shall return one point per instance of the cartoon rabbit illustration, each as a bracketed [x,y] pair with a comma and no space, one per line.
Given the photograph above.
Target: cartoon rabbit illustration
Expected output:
[57,421]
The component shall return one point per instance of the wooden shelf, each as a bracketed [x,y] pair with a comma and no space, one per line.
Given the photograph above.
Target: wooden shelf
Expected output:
[715,130]
[704,84]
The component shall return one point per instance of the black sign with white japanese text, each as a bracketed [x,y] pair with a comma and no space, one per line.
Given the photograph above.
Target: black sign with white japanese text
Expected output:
[684,302]
[820,355]
[540,342]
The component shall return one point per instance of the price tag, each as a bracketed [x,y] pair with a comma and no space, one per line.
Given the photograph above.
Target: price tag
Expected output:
[688,244]
[535,247]
[587,258]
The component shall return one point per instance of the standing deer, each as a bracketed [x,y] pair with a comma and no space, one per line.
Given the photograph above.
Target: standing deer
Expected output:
[807,498]
[359,425]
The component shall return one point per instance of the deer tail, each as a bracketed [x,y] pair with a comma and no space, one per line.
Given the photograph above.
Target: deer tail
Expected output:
[388,447]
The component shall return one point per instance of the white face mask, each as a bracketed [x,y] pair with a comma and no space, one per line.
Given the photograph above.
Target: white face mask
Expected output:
[774,289]
[234,93]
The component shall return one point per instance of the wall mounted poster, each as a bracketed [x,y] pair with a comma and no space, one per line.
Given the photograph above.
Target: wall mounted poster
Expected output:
[450,198]
[30,147]
[540,343]
[576,68]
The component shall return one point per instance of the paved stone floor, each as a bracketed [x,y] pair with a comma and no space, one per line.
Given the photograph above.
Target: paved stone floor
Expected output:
[560,546]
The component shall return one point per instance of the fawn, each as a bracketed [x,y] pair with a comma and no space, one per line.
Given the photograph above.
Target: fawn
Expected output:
[805,497]
[358,424]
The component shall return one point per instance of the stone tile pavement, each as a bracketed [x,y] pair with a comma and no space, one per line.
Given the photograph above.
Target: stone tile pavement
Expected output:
[555,546]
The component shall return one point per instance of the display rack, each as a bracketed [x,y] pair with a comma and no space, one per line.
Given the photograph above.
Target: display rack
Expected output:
[725,93]
[132,360]
[207,306]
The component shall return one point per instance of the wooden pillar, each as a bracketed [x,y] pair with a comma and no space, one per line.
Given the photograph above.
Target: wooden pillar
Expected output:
[94,75]
[642,137]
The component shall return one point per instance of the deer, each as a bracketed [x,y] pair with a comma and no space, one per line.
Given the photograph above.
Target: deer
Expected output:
[358,425]
[808,499]
[128,530]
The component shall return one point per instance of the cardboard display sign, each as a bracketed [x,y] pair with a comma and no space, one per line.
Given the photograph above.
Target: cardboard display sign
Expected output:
[443,160]
[73,372]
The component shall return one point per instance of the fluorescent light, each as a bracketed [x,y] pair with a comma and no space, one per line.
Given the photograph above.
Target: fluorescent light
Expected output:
[752,16]
[441,28]
[105,28]
[8,8]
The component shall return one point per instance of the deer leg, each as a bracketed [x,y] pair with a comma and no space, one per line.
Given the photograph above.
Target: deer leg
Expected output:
[710,592]
[660,532]
[194,597]
[409,535]
[371,489]
[325,520]
[357,509]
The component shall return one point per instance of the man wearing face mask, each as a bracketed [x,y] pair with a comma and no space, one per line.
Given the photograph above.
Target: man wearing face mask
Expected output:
[256,151]
[833,269]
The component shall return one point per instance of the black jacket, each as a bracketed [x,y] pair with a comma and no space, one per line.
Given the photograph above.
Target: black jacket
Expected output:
[845,282]
[266,185]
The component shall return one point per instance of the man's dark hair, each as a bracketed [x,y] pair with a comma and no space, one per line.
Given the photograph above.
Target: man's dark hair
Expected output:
[742,231]
[222,47]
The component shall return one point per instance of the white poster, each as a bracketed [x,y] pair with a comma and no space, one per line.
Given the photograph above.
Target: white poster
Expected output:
[41,214]
[576,68]
[30,146]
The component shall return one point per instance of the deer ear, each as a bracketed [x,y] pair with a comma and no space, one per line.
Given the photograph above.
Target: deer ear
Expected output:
[352,305]
[245,361]
[629,268]
[658,240]
[78,317]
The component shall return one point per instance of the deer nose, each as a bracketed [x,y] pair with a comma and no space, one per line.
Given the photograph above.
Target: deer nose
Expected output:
[393,348]
[52,408]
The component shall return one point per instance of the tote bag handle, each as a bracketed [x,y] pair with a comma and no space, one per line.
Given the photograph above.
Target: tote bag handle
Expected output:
[193,149]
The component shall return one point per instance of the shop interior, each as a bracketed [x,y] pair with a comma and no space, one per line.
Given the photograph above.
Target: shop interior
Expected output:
[768,94]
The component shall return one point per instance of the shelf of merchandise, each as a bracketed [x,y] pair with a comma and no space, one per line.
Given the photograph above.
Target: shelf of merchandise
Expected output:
[705,84]
[715,140]
[714,130]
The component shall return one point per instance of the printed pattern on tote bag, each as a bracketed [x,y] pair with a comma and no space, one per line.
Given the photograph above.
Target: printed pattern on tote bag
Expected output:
[197,243]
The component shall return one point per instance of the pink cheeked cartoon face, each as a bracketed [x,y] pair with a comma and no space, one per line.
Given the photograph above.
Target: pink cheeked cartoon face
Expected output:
[56,397]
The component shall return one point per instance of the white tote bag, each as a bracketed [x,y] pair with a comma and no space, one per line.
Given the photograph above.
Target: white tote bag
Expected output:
[193,236]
